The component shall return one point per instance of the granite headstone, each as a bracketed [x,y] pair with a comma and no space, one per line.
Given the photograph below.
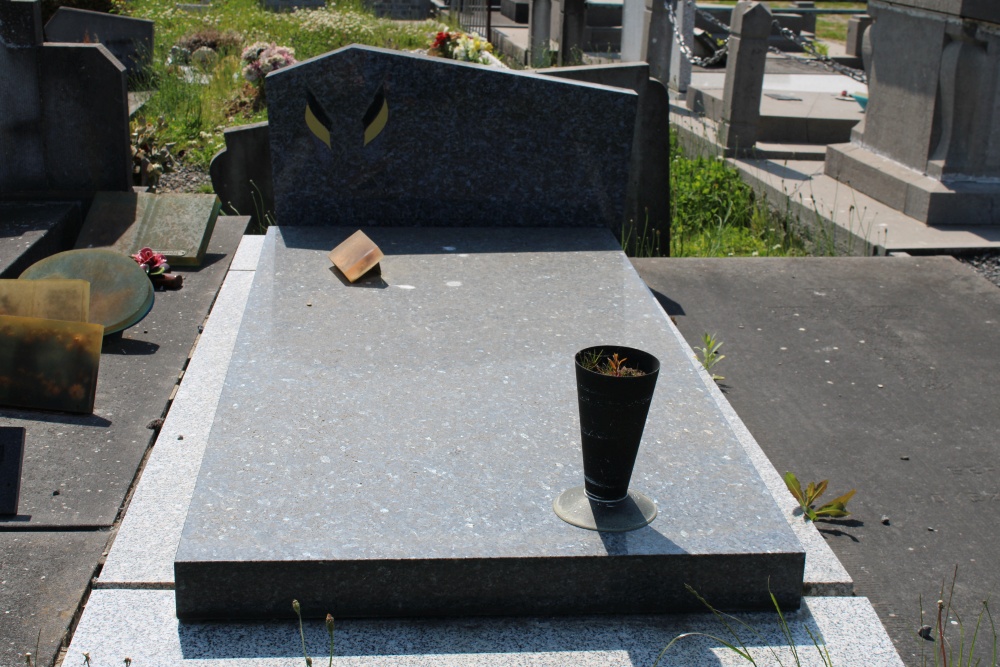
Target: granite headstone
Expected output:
[130,40]
[63,112]
[367,136]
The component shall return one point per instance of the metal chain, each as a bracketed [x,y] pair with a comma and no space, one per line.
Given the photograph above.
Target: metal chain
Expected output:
[685,49]
[810,48]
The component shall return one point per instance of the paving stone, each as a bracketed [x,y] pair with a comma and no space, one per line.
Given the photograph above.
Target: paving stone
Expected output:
[43,578]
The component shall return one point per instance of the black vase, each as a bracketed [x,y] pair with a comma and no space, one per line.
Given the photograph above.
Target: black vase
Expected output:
[613,413]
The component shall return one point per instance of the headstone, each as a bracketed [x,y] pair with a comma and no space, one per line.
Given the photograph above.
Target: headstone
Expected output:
[63,112]
[808,20]
[130,40]
[120,291]
[48,299]
[241,173]
[405,462]
[929,143]
[572,31]
[647,208]
[751,26]
[49,364]
[21,129]
[178,226]
[540,33]
[11,462]
[366,136]
[856,27]
[680,64]
[635,29]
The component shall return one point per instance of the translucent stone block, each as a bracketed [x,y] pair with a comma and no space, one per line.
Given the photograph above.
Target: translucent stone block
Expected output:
[356,256]
[49,364]
[67,300]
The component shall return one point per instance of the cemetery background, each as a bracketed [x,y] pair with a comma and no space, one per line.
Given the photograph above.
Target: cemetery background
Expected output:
[693,335]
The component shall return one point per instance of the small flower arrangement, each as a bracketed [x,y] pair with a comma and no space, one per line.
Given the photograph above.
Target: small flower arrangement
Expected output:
[153,263]
[261,58]
[461,46]
[156,267]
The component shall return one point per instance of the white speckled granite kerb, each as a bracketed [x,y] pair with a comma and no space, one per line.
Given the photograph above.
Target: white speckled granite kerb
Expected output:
[393,448]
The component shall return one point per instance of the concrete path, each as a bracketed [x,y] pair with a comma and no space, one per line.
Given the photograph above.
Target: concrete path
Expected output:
[876,374]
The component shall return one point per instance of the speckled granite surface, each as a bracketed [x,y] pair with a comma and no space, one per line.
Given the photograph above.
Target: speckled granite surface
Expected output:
[142,626]
[394,448]
[458,144]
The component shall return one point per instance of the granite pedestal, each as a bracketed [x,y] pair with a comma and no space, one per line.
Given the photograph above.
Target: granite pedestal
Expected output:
[393,448]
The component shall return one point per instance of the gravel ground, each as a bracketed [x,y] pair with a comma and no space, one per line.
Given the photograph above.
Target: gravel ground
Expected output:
[186,178]
[987,265]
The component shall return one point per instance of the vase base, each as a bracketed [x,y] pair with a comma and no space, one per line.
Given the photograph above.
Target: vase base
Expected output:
[634,511]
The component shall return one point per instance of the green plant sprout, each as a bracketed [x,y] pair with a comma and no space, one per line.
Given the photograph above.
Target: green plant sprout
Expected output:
[738,646]
[833,509]
[598,362]
[709,355]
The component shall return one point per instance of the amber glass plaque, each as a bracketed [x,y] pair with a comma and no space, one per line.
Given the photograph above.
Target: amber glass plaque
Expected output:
[49,364]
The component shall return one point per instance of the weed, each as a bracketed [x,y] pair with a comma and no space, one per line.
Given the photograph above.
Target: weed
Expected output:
[709,355]
[598,362]
[297,608]
[834,509]
[737,644]
[945,651]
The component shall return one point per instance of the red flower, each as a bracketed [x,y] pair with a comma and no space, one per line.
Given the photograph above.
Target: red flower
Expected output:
[152,262]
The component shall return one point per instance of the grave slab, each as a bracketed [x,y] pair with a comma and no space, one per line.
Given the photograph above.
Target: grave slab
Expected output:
[130,40]
[376,137]
[43,580]
[177,226]
[32,231]
[426,440]
[77,469]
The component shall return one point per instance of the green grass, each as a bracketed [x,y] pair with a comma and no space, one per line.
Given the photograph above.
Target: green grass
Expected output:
[197,113]
[715,214]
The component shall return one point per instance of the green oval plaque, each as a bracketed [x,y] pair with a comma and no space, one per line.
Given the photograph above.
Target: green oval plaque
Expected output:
[120,291]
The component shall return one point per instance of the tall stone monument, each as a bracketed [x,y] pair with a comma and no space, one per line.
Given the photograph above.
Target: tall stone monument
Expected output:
[930,144]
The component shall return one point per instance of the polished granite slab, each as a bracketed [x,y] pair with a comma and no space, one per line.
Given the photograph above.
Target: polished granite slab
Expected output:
[393,447]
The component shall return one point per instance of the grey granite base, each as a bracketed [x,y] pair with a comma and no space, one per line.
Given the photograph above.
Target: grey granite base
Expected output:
[141,625]
[394,448]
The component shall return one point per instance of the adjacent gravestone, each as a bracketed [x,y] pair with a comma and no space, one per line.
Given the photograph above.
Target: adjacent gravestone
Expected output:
[63,112]
[929,143]
[751,25]
[11,462]
[366,136]
[647,208]
[177,226]
[130,40]
[241,173]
